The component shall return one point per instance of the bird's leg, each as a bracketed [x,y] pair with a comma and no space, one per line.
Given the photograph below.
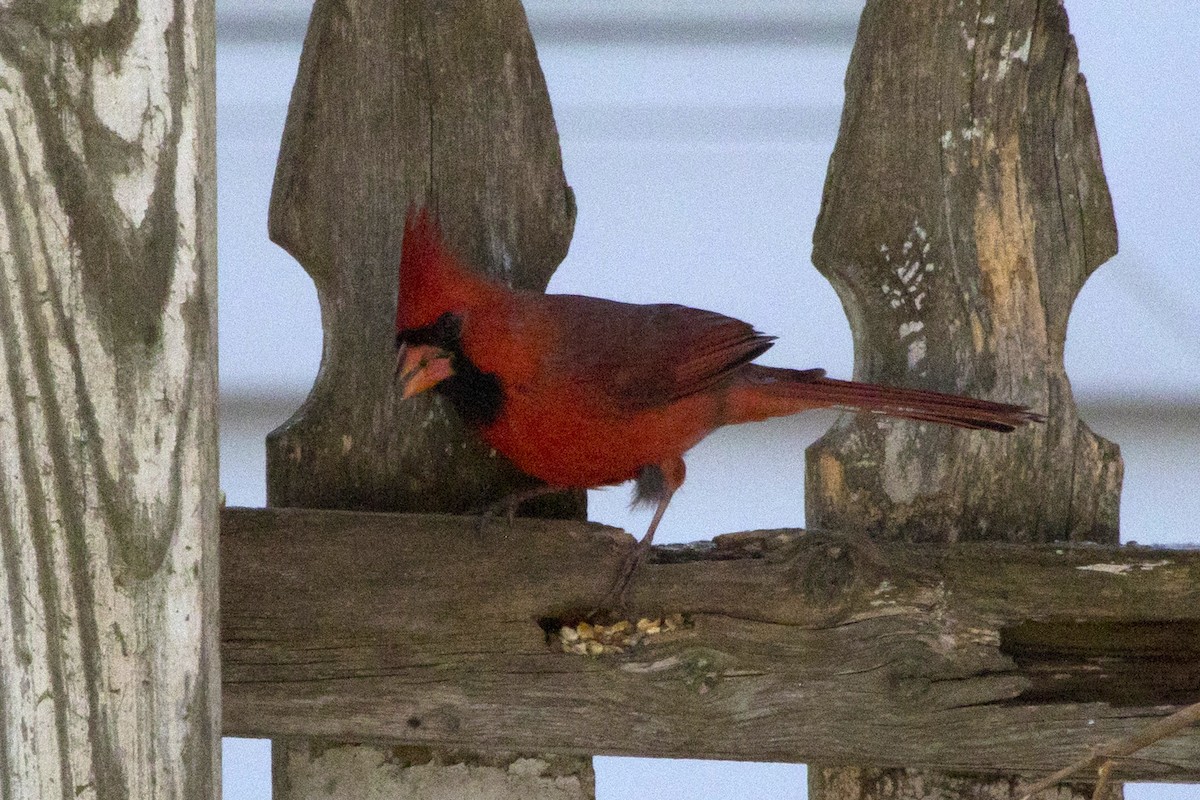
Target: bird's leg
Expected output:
[509,504]
[655,481]
[616,595]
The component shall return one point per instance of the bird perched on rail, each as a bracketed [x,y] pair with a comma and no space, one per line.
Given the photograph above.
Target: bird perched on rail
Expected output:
[582,392]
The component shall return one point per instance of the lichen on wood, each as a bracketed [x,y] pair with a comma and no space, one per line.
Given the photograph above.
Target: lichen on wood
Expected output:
[964,207]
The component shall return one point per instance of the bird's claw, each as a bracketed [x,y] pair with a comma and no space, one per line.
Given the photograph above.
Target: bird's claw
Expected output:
[617,597]
[509,505]
[505,508]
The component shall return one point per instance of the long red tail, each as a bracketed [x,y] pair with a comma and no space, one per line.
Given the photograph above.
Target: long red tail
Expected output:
[766,392]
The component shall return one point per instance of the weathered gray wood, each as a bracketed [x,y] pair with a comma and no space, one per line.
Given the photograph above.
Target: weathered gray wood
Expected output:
[416,630]
[109,682]
[395,103]
[858,783]
[964,207]
[440,104]
[355,772]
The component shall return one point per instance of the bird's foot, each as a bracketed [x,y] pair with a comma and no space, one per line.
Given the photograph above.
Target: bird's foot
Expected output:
[507,506]
[617,596]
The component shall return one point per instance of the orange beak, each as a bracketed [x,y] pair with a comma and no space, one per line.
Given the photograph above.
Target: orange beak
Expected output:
[421,367]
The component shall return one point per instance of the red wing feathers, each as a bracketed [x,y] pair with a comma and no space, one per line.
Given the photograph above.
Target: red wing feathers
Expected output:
[640,356]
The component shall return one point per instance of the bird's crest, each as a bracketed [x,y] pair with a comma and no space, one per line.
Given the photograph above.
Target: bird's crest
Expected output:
[433,280]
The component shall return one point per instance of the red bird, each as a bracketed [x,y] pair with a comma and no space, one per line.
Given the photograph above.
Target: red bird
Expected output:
[581,392]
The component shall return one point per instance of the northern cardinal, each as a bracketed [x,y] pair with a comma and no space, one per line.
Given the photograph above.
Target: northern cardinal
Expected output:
[582,392]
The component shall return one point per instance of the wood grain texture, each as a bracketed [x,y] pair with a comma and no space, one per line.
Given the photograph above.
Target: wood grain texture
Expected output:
[856,783]
[440,104]
[109,683]
[417,631]
[362,772]
[437,103]
[964,207]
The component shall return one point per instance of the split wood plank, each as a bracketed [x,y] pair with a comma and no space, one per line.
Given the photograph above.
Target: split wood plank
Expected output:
[417,630]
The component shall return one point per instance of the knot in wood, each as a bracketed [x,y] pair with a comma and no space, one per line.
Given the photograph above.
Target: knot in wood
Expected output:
[830,569]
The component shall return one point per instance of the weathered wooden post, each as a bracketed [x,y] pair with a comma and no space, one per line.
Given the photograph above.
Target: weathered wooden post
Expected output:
[965,206]
[109,684]
[441,104]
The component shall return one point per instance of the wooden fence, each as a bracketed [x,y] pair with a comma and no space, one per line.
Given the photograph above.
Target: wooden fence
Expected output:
[995,631]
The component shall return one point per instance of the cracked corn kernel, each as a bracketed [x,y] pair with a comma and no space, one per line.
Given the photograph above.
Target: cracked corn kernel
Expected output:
[595,639]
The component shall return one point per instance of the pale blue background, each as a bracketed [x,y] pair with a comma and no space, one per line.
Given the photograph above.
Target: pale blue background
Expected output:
[696,136]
